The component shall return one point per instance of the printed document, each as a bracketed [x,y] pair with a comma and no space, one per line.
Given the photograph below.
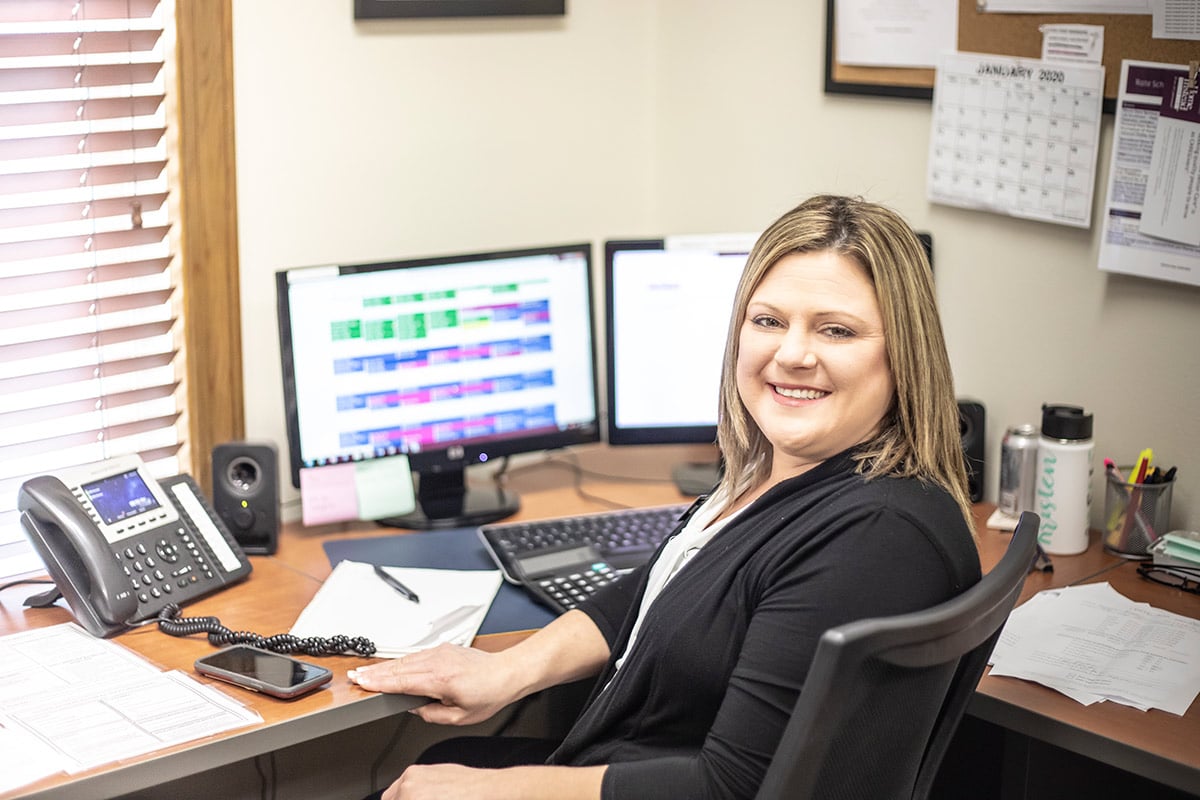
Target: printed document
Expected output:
[1066,6]
[1123,247]
[1172,207]
[904,33]
[1077,44]
[70,702]
[1091,643]
[1175,19]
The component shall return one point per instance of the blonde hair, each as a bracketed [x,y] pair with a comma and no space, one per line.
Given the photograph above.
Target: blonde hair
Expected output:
[921,434]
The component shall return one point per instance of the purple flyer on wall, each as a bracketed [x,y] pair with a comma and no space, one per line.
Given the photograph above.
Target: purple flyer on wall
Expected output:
[1141,233]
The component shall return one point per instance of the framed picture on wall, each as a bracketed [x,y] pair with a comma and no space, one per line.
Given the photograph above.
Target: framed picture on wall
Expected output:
[384,9]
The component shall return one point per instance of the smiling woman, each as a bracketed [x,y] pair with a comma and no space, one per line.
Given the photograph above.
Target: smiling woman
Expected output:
[856,258]
[833,482]
[812,367]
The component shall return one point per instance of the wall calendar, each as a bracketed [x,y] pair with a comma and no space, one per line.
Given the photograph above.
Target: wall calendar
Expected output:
[1016,136]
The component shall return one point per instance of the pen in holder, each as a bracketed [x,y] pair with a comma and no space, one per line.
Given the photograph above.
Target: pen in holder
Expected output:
[1136,514]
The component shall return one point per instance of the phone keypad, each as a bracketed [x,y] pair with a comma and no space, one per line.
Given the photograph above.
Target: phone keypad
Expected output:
[572,589]
[162,564]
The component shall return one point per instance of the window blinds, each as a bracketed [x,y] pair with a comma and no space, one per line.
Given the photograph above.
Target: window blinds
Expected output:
[89,341]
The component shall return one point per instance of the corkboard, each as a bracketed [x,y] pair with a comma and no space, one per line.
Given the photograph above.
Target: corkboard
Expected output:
[1125,36]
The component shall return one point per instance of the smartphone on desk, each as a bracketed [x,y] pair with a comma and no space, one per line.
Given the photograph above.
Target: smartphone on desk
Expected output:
[263,671]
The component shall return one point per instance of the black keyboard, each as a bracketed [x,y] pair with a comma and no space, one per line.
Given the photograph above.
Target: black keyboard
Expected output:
[607,543]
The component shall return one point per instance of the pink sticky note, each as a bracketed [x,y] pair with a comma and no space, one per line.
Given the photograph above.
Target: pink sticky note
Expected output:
[327,494]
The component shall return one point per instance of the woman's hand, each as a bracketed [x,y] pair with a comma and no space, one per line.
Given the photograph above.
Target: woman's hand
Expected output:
[471,685]
[441,781]
[468,685]
[438,781]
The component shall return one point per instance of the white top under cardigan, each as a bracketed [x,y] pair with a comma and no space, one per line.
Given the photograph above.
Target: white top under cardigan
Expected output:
[676,553]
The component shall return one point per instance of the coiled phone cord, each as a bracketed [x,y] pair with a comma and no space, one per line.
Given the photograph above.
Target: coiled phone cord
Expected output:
[171,623]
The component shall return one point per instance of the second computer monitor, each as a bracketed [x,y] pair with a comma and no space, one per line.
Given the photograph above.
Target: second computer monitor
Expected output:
[667,307]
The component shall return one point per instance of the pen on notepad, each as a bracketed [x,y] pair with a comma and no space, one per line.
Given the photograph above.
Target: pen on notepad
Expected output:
[395,584]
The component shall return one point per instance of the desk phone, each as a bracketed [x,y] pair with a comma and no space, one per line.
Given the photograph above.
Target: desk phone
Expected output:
[120,545]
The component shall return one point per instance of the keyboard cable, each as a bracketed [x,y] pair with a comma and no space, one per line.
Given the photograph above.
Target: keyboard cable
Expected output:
[573,466]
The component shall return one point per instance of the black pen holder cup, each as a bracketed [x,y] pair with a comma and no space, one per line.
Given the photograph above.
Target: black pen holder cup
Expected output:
[1135,515]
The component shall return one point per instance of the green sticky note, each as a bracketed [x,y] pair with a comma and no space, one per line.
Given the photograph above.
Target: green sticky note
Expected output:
[384,487]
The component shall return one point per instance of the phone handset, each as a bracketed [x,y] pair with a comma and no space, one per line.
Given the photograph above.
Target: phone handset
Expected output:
[83,566]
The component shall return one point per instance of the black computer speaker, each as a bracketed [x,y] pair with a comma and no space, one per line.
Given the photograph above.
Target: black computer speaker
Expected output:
[246,493]
[971,419]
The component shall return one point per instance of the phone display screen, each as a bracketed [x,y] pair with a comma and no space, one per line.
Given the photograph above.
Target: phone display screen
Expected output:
[120,496]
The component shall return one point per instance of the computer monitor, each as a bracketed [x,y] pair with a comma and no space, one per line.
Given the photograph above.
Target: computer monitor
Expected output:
[451,360]
[667,308]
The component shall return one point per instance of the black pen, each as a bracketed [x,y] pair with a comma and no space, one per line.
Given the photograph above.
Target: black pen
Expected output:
[395,584]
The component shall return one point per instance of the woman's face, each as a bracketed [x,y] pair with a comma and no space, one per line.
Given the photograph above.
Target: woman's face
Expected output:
[812,368]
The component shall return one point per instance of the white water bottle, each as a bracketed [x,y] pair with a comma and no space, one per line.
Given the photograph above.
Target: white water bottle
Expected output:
[1064,479]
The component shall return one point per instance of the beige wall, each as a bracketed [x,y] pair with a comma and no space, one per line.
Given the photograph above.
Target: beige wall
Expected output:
[628,117]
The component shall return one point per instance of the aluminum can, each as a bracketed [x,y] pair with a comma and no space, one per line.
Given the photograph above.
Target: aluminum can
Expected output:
[1018,469]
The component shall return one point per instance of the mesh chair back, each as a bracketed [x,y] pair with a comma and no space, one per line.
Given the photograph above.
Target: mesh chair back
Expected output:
[884,696]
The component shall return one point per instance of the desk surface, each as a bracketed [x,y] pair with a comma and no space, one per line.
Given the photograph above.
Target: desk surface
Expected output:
[1154,744]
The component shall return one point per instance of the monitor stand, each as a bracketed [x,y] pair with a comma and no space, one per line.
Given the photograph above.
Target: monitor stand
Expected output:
[445,501]
[695,478]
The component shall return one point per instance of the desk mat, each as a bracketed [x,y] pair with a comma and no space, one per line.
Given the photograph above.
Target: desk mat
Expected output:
[453,548]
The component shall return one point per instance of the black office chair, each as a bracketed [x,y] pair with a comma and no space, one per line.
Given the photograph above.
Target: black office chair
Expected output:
[884,696]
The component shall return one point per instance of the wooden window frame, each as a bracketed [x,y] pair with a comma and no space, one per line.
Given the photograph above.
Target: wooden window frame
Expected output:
[209,235]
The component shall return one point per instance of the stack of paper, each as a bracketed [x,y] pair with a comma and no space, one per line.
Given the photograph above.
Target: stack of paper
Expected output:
[354,601]
[1091,643]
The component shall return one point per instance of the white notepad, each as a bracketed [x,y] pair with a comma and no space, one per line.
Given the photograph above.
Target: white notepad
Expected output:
[354,601]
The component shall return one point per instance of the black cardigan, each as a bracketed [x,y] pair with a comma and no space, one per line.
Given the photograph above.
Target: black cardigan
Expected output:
[701,702]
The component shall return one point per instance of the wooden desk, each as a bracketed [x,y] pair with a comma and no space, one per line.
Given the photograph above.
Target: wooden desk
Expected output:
[1153,744]
[277,590]
[268,601]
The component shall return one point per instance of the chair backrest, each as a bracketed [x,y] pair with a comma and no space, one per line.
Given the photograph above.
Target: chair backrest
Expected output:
[884,696]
